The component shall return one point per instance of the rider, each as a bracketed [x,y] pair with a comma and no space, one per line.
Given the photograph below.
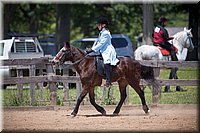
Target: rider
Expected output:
[161,38]
[106,49]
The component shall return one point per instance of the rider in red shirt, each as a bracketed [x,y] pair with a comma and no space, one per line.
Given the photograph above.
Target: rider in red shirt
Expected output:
[161,38]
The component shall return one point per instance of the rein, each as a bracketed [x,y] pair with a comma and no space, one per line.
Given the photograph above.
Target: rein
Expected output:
[75,62]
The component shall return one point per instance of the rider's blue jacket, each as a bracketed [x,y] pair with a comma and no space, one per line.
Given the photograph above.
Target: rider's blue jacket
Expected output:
[105,47]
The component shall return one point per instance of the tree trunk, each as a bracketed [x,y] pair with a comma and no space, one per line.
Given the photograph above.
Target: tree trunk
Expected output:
[34,23]
[147,23]
[62,24]
[194,23]
[8,13]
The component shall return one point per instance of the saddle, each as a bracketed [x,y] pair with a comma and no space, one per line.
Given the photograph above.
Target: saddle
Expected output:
[100,66]
[166,52]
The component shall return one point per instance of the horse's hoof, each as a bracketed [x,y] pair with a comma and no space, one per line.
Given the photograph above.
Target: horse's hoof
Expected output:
[115,114]
[73,114]
[146,109]
[146,112]
[104,113]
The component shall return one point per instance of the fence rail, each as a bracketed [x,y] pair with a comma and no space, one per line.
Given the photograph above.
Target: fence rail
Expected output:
[42,64]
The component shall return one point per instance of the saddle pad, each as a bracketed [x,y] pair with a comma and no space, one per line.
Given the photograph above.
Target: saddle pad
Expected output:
[165,52]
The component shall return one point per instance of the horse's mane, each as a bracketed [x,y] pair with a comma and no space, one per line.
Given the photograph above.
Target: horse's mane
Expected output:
[77,50]
[179,36]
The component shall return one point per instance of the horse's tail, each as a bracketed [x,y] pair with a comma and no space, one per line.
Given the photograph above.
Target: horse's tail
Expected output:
[147,73]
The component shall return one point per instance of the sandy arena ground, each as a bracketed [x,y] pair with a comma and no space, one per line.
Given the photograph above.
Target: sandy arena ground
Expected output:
[168,118]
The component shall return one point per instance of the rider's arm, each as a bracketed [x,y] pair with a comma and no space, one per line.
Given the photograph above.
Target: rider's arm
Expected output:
[101,42]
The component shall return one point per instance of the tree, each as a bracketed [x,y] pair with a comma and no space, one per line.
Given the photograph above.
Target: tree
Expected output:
[147,23]
[194,21]
[28,18]
[62,24]
[9,12]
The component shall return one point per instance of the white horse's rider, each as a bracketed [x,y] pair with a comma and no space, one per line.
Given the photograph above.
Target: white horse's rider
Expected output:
[105,47]
[161,38]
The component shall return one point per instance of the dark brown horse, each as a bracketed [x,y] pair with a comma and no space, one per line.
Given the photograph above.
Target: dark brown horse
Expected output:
[128,71]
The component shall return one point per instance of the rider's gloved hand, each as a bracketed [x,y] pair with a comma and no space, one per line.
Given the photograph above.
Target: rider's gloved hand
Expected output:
[89,50]
[170,38]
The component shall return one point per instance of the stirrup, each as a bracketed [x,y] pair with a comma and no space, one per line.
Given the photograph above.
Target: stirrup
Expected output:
[107,84]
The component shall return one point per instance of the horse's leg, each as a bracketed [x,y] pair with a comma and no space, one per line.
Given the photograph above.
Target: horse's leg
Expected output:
[178,88]
[79,100]
[92,101]
[135,85]
[167,87]
[172,75]
[123,95]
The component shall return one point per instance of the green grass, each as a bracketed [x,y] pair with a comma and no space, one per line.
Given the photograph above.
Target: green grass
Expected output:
[189,96]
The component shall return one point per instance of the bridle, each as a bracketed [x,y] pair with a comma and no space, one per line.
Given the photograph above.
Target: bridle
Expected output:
[188,37]
[67,54]
[190,40]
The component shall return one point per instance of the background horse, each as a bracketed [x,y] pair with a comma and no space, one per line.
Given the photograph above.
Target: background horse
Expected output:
[182,41]
[128,71]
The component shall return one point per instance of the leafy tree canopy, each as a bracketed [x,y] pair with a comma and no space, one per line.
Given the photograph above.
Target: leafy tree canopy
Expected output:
[125,18]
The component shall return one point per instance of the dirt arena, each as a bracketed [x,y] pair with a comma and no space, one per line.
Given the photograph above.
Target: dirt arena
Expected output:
[167,118]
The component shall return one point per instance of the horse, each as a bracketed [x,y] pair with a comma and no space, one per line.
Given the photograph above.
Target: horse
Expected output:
[182,42]
[127,71]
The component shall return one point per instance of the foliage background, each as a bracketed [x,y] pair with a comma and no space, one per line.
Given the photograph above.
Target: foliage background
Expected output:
[126,18]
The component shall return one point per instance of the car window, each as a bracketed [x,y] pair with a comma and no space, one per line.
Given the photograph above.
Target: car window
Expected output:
[119,42]
[84,44]
[1,49]
[24,47]
[30,46]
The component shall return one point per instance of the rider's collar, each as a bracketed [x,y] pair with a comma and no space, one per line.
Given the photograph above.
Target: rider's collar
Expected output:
[103,29]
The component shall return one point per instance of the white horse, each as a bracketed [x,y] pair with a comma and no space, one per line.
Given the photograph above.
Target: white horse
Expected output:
[182,41]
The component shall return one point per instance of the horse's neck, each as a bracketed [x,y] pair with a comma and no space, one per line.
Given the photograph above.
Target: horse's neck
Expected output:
[77,54]
[178,43]
[79,60]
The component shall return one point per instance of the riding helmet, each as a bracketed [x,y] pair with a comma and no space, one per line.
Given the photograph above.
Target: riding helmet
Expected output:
[162,20]
[103,20]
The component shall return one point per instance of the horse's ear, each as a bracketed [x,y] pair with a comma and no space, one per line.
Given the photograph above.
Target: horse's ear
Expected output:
[190,29]
[66,45]
[185,29]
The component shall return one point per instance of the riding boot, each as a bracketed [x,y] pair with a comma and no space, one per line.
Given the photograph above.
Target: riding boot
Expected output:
[108,71]
[178,88]
[173,54]
[167,89]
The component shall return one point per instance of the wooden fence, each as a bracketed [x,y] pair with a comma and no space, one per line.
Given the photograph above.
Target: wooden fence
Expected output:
[46,73]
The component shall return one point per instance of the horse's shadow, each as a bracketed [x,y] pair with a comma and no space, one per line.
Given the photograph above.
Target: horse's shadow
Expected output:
[110,115]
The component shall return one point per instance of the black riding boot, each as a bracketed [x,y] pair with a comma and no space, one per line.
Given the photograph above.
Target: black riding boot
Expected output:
[108,71]
[173,54]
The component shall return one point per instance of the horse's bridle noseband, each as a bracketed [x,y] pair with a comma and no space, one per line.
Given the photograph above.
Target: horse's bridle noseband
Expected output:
[66,53]
[190,39]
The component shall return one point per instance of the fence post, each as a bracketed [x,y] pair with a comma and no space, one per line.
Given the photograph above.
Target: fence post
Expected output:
[52,84]
[65,86]
[32,86]
[20,86]
[41,87]
[127,92]
[104,93]
[78,88]
[155,89]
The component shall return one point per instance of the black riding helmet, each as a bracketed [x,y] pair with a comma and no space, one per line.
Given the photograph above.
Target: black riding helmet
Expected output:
[102,20]
[161,20]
